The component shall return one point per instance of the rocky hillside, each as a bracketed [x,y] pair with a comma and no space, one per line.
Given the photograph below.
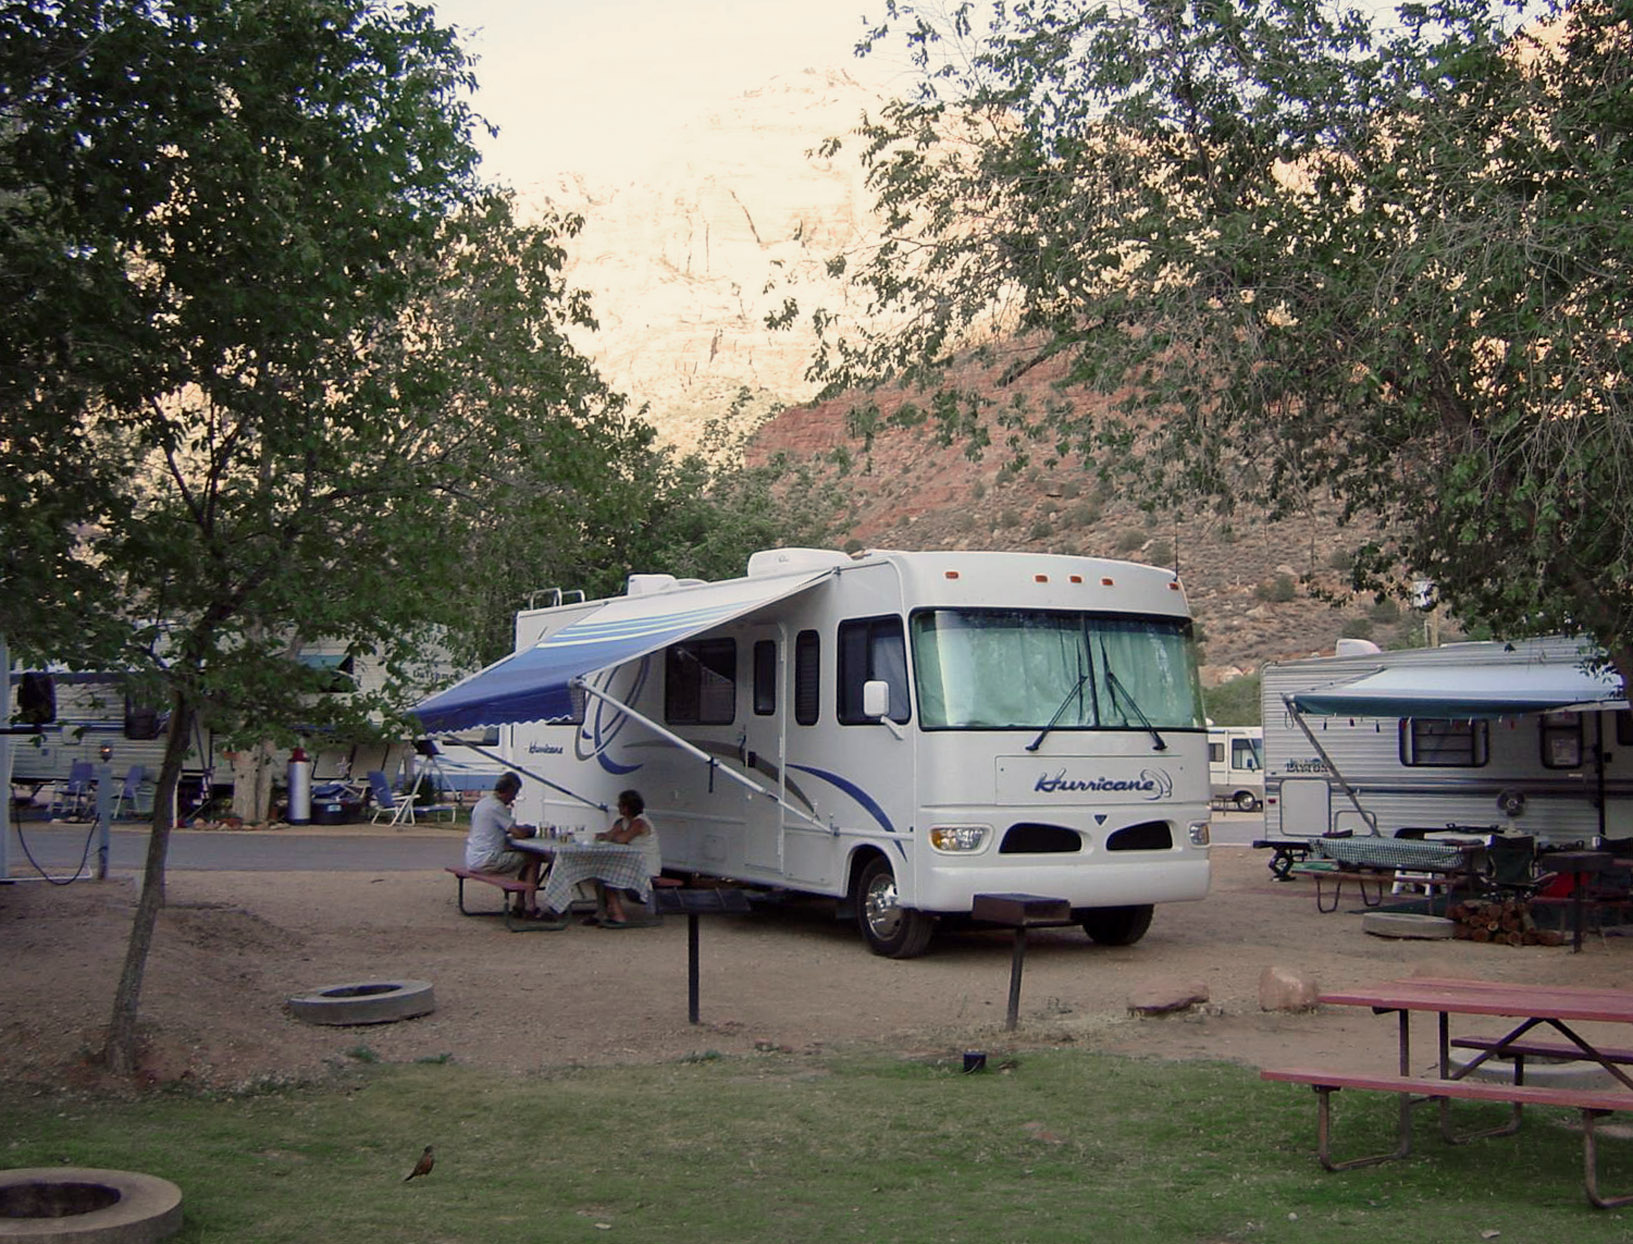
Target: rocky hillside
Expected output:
[1247,580]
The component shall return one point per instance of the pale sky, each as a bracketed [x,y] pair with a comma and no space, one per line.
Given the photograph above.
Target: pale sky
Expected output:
[594,86]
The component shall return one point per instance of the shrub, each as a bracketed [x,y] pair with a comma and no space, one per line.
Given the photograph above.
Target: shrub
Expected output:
[1278,591]
[1129,539]
[1356,628]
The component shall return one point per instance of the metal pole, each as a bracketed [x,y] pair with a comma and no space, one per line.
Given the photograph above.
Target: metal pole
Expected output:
[1016,959]
[691,966]
[104,816]
[5,765]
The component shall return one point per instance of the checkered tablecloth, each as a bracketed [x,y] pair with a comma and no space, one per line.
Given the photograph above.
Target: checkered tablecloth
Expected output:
[615,863]
[1397,853]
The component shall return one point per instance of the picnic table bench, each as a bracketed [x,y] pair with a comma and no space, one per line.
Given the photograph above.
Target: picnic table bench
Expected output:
[510,885]
[1593,1104]
[1287,853]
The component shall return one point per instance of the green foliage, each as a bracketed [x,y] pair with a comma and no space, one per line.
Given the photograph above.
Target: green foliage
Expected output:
[1161,553]
[1128,540]
[1356,628]
[1278,591]
[1233,703]
[1041,529]
[1280,252]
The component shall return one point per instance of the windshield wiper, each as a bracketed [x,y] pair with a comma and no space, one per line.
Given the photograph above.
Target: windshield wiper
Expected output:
[1059,712]
[1120,692]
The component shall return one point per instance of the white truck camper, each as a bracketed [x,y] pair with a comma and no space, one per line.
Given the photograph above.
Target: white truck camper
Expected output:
[900,731]
[1531,737]
[1236,767]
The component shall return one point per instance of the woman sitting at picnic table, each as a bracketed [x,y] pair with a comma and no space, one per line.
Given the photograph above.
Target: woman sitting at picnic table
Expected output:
[486,850]
[631,828]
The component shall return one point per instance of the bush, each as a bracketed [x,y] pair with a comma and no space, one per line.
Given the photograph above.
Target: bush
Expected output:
[1129,539]
[1042,529]
[1386,612]
[1161,553]
[1356,628]
[1279,590]
[1233,703]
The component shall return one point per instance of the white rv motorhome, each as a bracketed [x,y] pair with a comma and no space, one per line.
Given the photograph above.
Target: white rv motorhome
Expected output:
[901,731]
[1236,766]
[1522,737]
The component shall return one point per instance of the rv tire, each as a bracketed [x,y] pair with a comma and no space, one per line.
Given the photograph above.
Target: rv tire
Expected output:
[1115,926]
[891,930]
[1246,801]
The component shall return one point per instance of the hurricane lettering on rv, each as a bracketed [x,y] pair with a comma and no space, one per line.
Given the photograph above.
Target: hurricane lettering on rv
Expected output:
[603,722]
[1151,784]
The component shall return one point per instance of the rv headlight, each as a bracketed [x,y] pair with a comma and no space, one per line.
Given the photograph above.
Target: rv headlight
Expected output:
[958,837]
[1198,831]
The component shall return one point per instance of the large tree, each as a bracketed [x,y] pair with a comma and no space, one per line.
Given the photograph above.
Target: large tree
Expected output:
[1285,253]
[269,356]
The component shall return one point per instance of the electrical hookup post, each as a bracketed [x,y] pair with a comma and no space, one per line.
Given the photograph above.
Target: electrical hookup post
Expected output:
[5,768]
[104,811]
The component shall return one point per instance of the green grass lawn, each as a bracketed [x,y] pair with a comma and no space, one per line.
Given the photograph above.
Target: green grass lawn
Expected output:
[1056,1146]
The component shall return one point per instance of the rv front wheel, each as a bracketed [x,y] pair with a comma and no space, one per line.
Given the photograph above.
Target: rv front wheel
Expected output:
[1246,801]
[891,930]
[1116,926]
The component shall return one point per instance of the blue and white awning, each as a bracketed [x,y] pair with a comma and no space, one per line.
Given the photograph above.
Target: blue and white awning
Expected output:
[535,684]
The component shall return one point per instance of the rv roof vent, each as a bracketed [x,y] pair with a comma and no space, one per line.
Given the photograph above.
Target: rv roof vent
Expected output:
[783,561]
[1356,648]
[646,584]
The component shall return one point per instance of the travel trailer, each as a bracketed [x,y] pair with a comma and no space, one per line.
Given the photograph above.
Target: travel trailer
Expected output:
[1236,767]
[1530,737]
[900,731]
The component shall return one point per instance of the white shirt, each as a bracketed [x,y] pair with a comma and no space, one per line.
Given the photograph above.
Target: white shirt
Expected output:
[491,820]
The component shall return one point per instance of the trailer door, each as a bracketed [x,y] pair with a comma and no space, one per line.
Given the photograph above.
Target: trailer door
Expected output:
[1306,807]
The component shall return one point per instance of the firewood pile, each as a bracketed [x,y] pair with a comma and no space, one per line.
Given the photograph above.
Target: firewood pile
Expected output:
[1506,921]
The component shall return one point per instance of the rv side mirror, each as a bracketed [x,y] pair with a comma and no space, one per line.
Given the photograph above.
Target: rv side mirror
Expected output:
[875,698]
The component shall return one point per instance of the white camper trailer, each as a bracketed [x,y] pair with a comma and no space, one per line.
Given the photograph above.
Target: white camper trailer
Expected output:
[901,731]
[1236,766]
[1524,737]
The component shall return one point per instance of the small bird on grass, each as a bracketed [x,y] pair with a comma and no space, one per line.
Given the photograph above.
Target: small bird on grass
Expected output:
[423,1166]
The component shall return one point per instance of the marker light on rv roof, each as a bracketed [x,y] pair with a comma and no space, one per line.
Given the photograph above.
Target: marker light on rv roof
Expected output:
[1077,578]
[1040,578]
[1108,583]
[952,574]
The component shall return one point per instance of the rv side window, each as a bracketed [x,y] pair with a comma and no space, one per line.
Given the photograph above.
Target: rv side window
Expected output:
[1216,753]
[1624,728]
[1244,755]
[765,677]
[807,677]
[700,683]
[1561,740]
[871,649]
[1433,742]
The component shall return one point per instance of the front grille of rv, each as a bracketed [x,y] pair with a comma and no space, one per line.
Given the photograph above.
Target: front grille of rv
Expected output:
[1028,838]
[1032,838]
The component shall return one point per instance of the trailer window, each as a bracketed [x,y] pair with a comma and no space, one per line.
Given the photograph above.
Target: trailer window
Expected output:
[1434,742]
[765,677]
[1245,754]
[872,649]
[807,677]
[1561,740]
[1023,669]
[700,683]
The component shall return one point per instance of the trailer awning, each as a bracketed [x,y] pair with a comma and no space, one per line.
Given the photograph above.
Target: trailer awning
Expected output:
[1465,692]
[535,684]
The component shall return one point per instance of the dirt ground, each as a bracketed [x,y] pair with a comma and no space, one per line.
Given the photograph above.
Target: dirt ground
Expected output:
[232,947]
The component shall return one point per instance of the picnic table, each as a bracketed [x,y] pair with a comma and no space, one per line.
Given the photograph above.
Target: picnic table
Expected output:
[616,864]
[1558,1008]
[1377,859]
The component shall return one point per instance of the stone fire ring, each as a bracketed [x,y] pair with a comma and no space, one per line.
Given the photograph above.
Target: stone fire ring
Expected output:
[364,1002]
[87,1206]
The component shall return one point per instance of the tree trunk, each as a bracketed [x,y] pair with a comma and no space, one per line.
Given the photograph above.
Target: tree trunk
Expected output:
[252,784]
[120,1050]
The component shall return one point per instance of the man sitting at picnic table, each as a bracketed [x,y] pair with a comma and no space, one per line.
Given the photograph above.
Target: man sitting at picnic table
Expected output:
[486,850]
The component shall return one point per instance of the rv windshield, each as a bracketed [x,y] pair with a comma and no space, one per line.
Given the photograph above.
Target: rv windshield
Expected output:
[1016,669]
